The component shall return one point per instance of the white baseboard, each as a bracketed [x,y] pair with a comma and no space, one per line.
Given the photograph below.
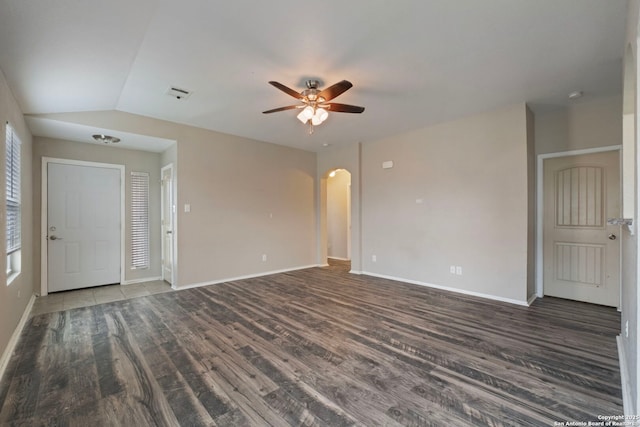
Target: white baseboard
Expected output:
[355,272]
[249,276]
[338,258]
[531,299]
[144,279]
[449,289]
[13,341]
[627,401]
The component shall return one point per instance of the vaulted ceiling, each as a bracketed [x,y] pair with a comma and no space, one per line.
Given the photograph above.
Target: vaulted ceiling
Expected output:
[412,63]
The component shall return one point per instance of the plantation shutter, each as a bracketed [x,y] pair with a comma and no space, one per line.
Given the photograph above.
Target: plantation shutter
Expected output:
[139,220]
[12,191]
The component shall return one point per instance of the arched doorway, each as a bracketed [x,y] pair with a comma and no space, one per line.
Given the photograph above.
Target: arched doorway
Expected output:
[339,218]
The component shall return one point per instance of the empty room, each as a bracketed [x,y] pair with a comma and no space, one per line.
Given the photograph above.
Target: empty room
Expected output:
[356,213]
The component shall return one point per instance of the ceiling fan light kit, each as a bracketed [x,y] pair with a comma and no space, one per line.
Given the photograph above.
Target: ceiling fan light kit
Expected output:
[314,102]
[319,117]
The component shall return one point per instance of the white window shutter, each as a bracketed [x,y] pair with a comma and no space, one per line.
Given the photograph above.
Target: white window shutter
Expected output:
[140,257]
[12,164]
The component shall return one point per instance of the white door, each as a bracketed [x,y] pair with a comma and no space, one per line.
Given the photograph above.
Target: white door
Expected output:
[167,224]
[581,252]
[84,236]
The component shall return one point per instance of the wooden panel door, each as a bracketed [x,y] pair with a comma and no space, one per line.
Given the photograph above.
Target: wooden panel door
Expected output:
[581,252]
[84,236]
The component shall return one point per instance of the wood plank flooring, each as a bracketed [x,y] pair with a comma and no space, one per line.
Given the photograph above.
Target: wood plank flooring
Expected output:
[316,347]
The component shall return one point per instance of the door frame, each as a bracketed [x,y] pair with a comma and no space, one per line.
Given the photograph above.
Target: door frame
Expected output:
[540,205]
[349,218]
[173,224]
[44,220]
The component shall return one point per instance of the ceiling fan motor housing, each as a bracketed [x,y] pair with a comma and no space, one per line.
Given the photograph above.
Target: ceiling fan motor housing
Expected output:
[311,93]
[312,84]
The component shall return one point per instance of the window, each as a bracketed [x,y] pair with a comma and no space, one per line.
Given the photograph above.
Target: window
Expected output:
[12,204]
[139,220]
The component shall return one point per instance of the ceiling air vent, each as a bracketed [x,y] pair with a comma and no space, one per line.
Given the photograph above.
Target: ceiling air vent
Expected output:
[178,93]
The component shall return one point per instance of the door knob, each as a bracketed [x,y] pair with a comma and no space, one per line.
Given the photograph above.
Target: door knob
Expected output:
[169,232]
[612,236]
[54,238]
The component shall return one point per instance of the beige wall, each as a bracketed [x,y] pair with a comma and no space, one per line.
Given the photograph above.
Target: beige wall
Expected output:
[628,165]
[247,198]
[170,155]
[337,214]
[134,161]
[456,195]
[15,297]
[589,123]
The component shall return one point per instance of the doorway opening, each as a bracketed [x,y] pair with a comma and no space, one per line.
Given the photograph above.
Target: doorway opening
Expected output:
[339,219]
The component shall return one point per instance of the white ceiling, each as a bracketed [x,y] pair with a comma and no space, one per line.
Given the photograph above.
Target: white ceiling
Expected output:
[412,63]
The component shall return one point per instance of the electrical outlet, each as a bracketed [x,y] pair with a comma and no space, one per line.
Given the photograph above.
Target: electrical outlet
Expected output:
[452,269]
[20,292]
[459,270]
[374,258]
[264,257]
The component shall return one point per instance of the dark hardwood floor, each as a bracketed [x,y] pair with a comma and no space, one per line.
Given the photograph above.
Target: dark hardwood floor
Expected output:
[316,347]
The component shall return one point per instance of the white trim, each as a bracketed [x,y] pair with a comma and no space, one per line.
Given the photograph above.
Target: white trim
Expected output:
[540,204]
[448,289]
[13,341]
[355,272]
[338,258]
[249,276]
[531,299]
[627,400]
[142,280]
[44,213]
[349,217]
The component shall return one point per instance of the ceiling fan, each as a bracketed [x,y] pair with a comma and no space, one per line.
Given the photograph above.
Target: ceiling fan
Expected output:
[315,103]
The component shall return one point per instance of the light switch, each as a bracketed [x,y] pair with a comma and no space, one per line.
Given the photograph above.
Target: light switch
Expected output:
[387,165]
[187,207]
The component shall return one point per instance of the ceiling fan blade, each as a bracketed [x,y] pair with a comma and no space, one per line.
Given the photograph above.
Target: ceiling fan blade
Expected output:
[286,90]
[275,110]
[332,91]
[342,108]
